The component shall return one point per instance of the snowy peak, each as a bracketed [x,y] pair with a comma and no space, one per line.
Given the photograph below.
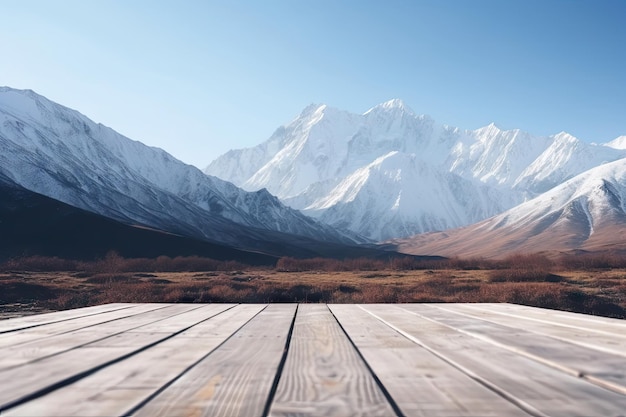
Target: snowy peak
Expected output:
[395,105]
[617,143]
[312,109]
[340,167]
[58,152]
[496,156]
[564,158]
[489,131]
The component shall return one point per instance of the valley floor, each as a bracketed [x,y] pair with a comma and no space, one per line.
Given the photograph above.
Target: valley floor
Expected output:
[601,292]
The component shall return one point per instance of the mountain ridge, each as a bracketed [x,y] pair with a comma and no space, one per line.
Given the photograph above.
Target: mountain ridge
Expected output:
[33,224]
[58,152]
[587,212]
[310,162]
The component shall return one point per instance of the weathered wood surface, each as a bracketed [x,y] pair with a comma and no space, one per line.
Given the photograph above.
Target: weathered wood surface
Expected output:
[59,316]
[323,373]
[438,360]
[418,381]
[238,378]
[590,336]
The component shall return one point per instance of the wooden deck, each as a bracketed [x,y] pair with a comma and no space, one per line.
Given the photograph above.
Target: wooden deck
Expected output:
[312,359]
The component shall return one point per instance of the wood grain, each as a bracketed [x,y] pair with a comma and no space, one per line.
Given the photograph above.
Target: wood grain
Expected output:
[439,360]
[323,374]
[236,379]
[39,349]
[605,369]
[47,372]
[119,388]
[419,382]
[541,389]
[613,344]
[39,319]
[590,323]
[51,329]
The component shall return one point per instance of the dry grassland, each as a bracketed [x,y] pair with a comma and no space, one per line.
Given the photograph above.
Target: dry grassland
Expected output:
[599,292]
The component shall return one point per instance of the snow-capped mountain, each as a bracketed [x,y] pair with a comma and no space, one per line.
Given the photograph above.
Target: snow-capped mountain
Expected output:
[384,199]
[58,152]
[390,172]
[617,143]
[586,212]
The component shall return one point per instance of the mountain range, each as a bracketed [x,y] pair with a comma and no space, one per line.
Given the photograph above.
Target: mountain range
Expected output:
[329,183]
[391,173]
[56,152]
[585,213]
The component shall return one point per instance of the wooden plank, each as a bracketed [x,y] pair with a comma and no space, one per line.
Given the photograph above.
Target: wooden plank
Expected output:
[600,368]
[17,323]
[41,348]
[428,360]
[236,379]
[538,389]
[323,374]
[44,331]
[121,387]
[596,324]
[420,383]
[614,344]
[52,372]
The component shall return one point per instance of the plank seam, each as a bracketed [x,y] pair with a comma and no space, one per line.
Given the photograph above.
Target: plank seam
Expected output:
[554,323]
[537,332]
[190,367]
[74,378]
[484,382]
[565,369]
[569,315]
[98,340]
[80,328]
[281,366]
[62,320]
[381,386]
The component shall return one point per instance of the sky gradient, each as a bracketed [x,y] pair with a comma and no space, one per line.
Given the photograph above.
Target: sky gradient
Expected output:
[197,78]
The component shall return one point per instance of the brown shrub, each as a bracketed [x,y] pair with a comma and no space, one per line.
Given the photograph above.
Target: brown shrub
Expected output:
[469,264]
[590,261]
[70,299]
[532,261]
[523,275]
[110,278]
[127,292]
[524,268]
[288,264]
[112,262]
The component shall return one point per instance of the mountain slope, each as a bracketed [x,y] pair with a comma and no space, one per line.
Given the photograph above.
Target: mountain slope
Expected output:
[587,212]
[329,164]
[57,152]
[33,224]
[388,185]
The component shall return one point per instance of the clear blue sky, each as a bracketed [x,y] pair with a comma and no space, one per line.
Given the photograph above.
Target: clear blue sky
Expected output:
[200,77]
